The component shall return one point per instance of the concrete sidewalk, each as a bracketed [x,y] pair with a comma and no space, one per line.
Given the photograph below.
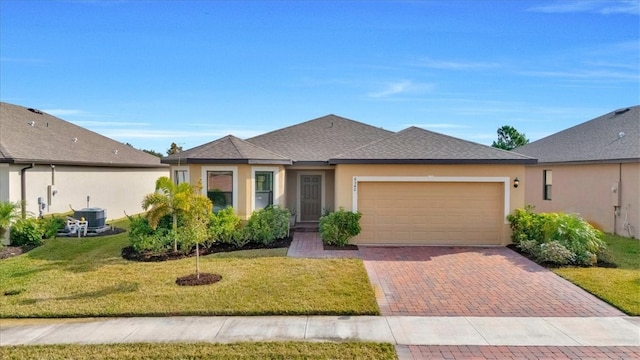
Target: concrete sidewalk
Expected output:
[398,330]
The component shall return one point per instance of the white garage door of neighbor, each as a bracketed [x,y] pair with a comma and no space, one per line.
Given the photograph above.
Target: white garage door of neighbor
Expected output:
[431,213]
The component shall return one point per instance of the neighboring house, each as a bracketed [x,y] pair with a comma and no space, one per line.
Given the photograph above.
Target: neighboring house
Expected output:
[592,169]
[412,187]
[53,166]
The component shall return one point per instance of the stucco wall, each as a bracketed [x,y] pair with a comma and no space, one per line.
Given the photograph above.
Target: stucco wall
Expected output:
[587,190]
[345,173]
[118,190]
[244,192]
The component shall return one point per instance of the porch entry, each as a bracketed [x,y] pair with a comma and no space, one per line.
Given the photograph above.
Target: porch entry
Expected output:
[310,197]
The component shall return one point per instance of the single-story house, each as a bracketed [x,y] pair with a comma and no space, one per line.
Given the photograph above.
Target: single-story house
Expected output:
[592,169]
[53,166]
[413,187]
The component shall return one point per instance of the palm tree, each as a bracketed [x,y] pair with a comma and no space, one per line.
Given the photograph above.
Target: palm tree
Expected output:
[168,199]
[8,213]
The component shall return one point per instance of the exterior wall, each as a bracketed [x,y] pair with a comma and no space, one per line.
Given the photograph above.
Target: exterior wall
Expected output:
[586,189]
[344,174]
[244,185]
[117,190]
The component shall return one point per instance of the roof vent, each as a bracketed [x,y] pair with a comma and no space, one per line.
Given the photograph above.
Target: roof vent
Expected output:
[35,111]
[115,152]
[32,123]
[75,139]
[621,134]
[622,111]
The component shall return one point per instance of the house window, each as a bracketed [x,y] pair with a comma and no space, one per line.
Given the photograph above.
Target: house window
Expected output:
[220,188]
[546,183]
[180,176]
[264,189]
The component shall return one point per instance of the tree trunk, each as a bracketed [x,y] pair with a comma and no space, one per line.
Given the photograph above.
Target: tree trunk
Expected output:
[175,232]
[197,261]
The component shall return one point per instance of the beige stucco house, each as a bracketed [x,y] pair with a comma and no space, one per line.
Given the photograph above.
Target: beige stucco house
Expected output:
[592,169]
[413,187]
[53,166]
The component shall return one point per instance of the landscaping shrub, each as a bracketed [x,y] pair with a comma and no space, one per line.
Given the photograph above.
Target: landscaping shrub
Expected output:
[558,238]
[338,227]
[268,224]
[51,225]
[26,232]
[224,226]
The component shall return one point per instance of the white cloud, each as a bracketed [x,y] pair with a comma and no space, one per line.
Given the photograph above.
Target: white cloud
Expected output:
[64,112]
[402,87]
[455,65]
[604,7]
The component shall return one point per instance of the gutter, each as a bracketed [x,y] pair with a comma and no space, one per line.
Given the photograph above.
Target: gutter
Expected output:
[23,189]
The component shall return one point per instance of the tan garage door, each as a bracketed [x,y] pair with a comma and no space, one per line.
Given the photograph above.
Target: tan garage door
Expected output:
[430,213]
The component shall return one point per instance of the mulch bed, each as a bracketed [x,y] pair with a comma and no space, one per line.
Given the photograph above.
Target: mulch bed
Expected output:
[194,280]
[130,254]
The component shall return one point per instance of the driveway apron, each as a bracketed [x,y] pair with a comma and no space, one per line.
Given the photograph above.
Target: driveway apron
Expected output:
[470,281]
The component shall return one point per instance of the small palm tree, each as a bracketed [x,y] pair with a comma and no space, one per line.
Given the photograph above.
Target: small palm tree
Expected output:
[8,213]
[168,199]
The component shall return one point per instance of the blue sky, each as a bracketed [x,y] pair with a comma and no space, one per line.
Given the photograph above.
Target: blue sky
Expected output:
[155,72]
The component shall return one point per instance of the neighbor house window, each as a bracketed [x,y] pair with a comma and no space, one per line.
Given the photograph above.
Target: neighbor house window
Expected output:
[546,183]
[180,176]
[220,188]
[264,189]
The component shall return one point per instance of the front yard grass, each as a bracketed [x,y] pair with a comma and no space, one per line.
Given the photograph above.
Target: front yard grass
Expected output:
[269,350]
[618,286]
[87,277]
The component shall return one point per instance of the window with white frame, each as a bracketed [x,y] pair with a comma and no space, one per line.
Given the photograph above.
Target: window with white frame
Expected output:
[220,188]
[263,189]
[546,184]
[180,176]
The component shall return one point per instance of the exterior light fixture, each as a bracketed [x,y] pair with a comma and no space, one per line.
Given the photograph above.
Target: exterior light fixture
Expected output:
[516,182]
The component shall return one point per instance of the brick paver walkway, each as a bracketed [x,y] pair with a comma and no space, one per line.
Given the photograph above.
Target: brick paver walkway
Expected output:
[309,245]
[469,281]
[518,352]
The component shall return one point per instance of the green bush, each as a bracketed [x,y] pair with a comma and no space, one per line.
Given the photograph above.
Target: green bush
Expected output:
[144,238]
[338,227]
[51,226]
[558,238]
[268,224]
[224,226]
[26,232]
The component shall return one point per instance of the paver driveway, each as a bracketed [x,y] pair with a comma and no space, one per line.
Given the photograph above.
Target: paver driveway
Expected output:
[469,281]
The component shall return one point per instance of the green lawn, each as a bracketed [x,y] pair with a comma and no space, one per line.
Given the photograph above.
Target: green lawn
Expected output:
[70,277]
[270,350]
[618,286]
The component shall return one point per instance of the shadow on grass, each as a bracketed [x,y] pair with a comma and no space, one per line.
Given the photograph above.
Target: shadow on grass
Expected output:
[122,288]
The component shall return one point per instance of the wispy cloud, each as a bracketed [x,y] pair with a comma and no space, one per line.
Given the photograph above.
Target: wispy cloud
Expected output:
[64,112]
[587,75]
[402,87]
[174,134]
[454,65]
[89,123]
[604,7]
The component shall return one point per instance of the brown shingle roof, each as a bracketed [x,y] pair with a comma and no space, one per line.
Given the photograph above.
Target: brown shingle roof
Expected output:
[611,137]
[318,140]
[228,149]
[418,146]
[35,137]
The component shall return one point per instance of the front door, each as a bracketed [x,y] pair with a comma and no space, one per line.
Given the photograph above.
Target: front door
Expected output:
[310,197]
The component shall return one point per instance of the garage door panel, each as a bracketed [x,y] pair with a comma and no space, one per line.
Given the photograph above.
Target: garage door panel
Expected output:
[430,213]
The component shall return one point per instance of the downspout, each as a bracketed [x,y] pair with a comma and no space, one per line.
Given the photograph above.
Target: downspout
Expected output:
[23,190]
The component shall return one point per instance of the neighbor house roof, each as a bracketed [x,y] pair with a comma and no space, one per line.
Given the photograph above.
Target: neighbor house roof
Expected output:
[316,141]
[228,149]
[611,137]
[418,146]
[30,136]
